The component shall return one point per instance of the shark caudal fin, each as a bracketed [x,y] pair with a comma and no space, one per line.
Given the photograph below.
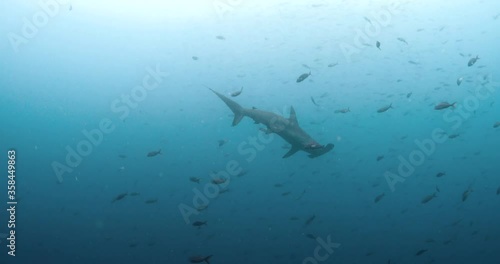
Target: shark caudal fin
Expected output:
[238,110]
[320,151]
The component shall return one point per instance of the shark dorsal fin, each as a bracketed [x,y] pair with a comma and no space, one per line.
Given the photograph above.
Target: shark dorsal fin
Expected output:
[293,116]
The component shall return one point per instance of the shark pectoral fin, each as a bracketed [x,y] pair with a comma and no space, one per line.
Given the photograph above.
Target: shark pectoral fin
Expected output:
[237,118]
[292,151]
[321,151]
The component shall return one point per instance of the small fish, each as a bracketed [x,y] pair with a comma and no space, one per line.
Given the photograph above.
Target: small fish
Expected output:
[195,179]
[452,136]
[379,197]
[199,223]
[119,197]
[437,189]
[221,142]
[314,102]
[70,7]
[151,201]
[219,180]
[380,157]
[194,58]
[309,220]
[333,64]
[303,77]
[342,111]
[385,108]
[466,194]
[440,174]
[378,44]
[444,105]
[367,20]
[413,62]
[234,94]
[220,37]
[200,259]
[497,124]
[498,191]
[409,94]
[403,40]
[420,252]
[202,207]
[428,198]
[286,193]
[311,236]
[122,156]
[134,194]
[459,81]
[154,153]
[472,61]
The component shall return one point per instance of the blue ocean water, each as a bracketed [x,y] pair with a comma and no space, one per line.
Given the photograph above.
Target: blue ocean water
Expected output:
[121,150]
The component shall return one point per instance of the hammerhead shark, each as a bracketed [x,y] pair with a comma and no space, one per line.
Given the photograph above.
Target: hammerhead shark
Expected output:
[286,128]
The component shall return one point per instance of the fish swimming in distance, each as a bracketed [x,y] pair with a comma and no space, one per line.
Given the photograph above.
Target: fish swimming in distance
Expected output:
[420,252]
[199,223]
[403,40]
[151,201]
[221,142]
[342,111]
[220,37]
[440,174]
[380,157]
[234,94]
[195,179]
[498,191]
[314,102]
[459,81]
[309,220]
[466,194]
[153,153]
[497,124]
[428,198]
[444,105]
[119,197]
[286,128]
[379,197]
[385,108]
[303,77]
[333,64]
[200,259]
[408,95]
[378,44]
[472,61]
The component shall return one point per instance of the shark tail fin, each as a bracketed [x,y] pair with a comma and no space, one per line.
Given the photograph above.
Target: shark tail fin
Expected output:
[292,151]
[321,151]
[207,259]
[238,110]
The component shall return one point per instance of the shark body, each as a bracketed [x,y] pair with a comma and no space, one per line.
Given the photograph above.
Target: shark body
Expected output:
[286,128]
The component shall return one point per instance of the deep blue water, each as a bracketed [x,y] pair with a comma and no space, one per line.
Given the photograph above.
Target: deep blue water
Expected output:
[89,88]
